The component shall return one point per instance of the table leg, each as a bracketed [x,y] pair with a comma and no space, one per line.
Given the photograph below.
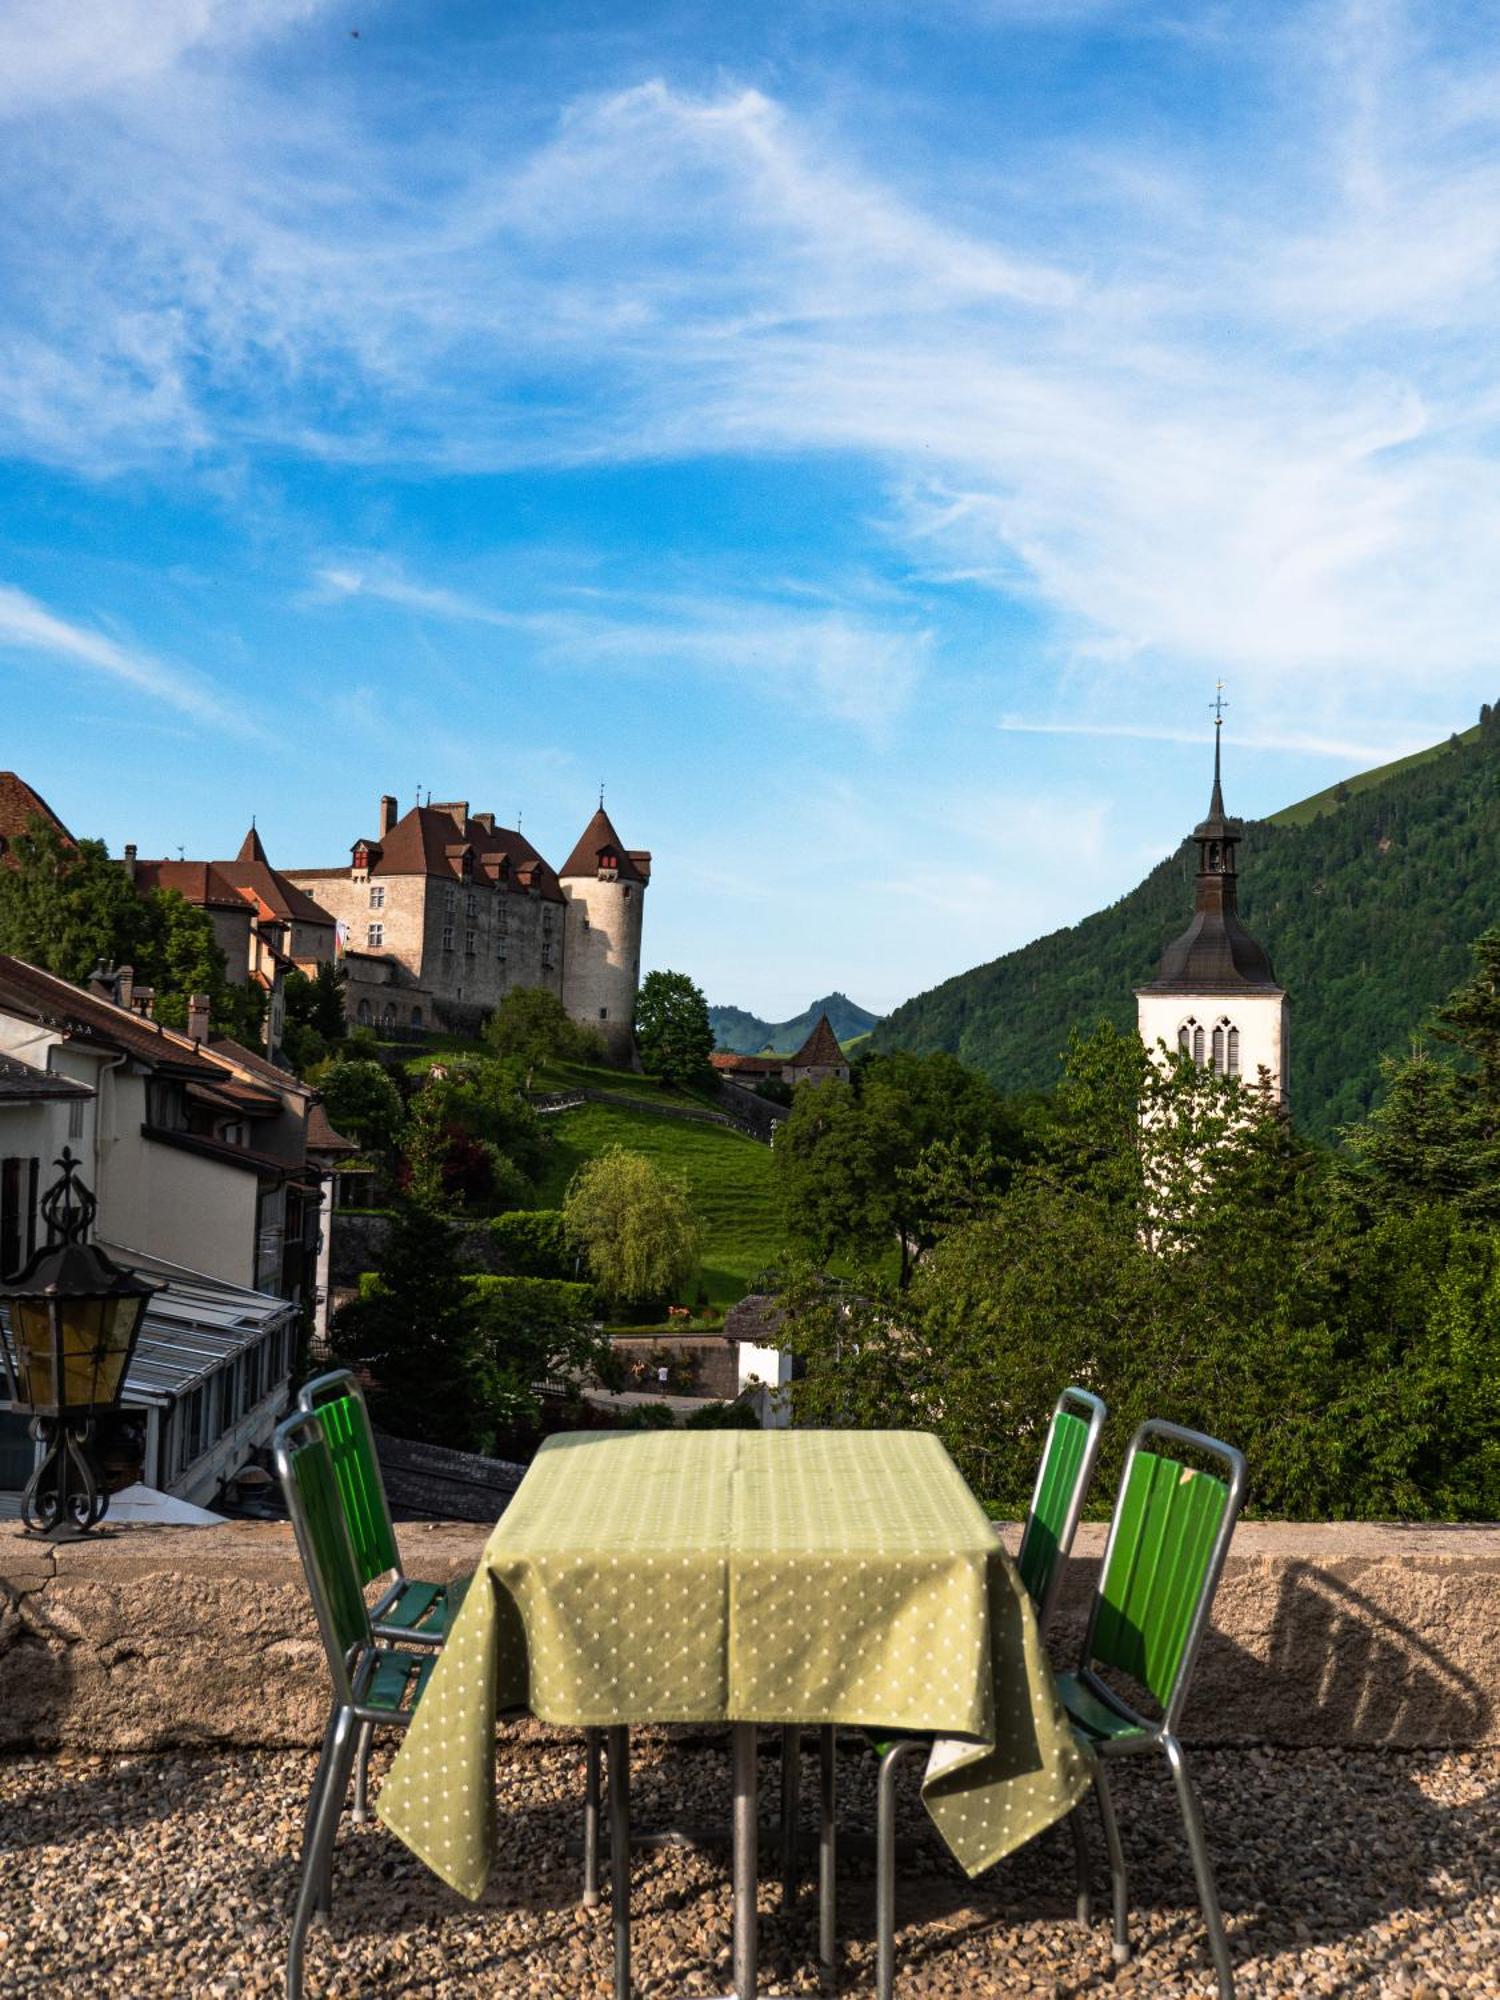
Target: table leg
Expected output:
[791,1785]
[619,1854]
[827,1838]
[746,1837]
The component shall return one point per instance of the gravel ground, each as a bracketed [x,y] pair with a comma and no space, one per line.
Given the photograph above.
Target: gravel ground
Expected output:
[1342,1873]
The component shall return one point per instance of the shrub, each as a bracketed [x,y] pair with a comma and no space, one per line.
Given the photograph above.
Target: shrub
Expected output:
[533,1243]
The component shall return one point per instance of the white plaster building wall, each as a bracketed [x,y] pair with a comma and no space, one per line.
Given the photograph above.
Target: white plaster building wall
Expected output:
[1263,1019]
[602,963]
[769,1371]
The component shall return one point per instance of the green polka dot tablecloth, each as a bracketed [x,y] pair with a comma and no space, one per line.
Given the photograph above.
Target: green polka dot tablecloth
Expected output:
[741,1576]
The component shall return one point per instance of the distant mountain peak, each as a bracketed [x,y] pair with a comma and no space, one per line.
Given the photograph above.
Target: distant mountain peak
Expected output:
[746,1034]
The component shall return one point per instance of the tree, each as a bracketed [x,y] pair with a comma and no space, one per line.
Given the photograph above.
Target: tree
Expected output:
[315,1020]
[672,1030]
[634,1226]
[532,1025]
[65,906]
[361,1102]
[849,1158]
[414,1327]
[485,1098]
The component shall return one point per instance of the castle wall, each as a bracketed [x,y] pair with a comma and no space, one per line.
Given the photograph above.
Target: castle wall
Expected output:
[1263,1019]
[602,964]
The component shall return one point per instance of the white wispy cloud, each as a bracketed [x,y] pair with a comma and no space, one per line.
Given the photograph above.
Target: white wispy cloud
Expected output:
[1220,409]
[848,664]
[1280,740]
[27,627]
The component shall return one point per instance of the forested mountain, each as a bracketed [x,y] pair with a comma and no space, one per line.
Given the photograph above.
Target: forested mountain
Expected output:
[1368,907]
[748,1035]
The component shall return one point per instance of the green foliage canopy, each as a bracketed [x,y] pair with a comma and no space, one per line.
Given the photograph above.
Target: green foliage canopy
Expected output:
[533,1026]
[635,1227]
[672,1030]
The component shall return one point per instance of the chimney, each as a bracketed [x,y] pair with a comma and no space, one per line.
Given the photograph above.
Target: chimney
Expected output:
[457,810]
[387,814]
[197,1017]
[486,820]
[129,862]
[143,1001]
[102,981]
[125,987]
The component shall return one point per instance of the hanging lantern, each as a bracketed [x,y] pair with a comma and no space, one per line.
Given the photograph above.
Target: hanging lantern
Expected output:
[74,1317]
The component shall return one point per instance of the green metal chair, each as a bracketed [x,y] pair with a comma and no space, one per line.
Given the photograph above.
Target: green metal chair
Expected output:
[1069,1456]
[375,1682]
[1167,1543]
[408,1610]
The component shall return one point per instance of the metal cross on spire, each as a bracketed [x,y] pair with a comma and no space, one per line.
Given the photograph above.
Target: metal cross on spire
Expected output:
[601,795]
[1218,705]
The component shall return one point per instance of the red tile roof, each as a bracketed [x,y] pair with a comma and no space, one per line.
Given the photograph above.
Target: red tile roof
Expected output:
[19,805]
[252,875]
[598,837]
[820,1050]
[197,882]
[45,997]
[427,841]
[734,1064]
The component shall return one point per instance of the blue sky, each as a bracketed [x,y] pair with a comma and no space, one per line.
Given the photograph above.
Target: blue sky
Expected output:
[859,434]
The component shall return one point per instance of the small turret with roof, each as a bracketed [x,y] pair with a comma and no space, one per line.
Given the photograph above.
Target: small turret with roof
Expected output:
[604,883]
[1215,997]
[819,1058]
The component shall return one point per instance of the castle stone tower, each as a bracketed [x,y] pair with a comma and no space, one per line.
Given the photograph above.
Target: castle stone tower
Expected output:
[604,886]
[1215,997]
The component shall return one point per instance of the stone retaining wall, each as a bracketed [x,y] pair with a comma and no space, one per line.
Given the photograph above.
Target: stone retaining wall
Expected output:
[1351,1634]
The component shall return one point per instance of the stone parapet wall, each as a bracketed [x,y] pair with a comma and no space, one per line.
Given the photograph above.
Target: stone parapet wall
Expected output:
[1324,1635]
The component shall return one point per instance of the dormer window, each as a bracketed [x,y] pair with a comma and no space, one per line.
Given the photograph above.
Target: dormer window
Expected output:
[466,865]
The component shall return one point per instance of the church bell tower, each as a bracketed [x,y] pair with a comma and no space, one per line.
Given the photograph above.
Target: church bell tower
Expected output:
[1215,996]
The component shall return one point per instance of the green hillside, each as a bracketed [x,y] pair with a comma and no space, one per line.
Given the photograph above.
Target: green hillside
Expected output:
[729,1177]
[1335,795]
[1367,904]
[748,1035]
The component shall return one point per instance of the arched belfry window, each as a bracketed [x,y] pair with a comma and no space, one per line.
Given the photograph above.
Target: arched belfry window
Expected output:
[1185,1037]
[1219,1050]
[1233,1036]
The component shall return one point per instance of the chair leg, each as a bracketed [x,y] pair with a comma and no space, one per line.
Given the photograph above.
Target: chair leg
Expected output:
[885,1865]
[619,1854]
[591,1790]
[1119,1882]
[1081,1865]
[791,1785]
[312,1888]
[827,1847]
[1208,1894]
[362,1773]
[320,1779]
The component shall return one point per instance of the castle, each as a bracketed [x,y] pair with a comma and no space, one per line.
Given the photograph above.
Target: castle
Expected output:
[442,913]
[1215,997]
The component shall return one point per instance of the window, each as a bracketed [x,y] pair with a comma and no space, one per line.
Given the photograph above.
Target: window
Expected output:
[447,937]
[500,950]
[603,1013]
[627,892]
[362,1013]
[18,1194]
[1198,1047]
[471,907]
[1234,1051]
[586,924]
[75,1119]
[469,944]
[416,1017]
[377,898]
[375,937]
[1219,1050]
[450,902]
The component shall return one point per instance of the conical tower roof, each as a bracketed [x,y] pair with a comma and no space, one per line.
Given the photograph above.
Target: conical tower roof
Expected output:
[599,837]
[821,1049]
[252,850]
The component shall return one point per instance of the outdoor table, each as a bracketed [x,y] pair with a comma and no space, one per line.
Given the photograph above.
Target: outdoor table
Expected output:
[788,1576]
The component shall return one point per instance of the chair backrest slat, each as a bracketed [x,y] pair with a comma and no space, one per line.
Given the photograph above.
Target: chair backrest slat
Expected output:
[316,1509]
[340,1406]
[1067,1466]
[1166,1548]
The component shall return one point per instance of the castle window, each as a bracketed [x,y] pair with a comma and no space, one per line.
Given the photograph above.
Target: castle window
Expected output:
[469,943]
[471,906]
[466,867]
[362,1013]
[500,951]
[374,937]
[627,892]
[447,937]
[377,897]
[603,1013]
[450,902]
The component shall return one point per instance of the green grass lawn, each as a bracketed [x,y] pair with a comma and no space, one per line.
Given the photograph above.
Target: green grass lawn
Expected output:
[616,1083]
[729,1177]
